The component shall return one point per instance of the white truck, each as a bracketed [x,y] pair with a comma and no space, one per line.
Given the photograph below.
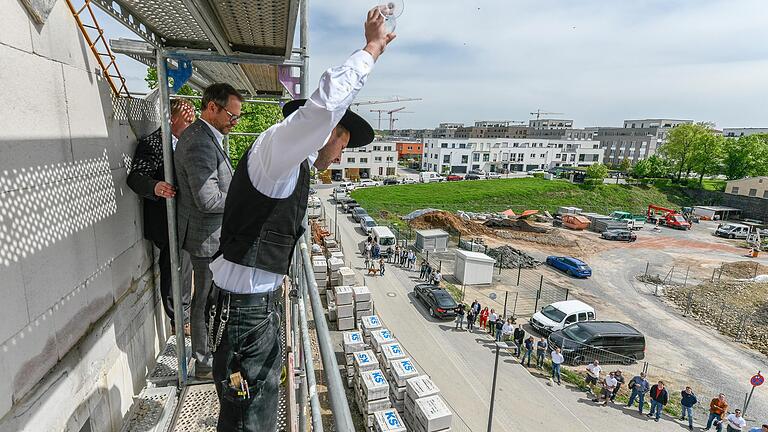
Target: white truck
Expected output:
[429,177]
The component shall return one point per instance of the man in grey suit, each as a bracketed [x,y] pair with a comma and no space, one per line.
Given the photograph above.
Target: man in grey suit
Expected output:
[204,172]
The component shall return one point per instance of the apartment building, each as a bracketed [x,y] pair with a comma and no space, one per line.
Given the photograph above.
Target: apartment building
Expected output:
[376,160]
[410,152]
[738,132]
[636,140]
[493,129]
[507,155]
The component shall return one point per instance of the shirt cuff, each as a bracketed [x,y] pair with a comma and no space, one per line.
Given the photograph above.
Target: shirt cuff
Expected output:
[362,61]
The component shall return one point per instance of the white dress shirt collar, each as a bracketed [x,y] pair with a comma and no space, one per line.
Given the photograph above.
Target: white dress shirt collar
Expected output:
[218,135]
[174,140]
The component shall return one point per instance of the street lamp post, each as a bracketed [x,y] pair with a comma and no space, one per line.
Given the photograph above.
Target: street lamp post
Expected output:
[499,346]
[336,223]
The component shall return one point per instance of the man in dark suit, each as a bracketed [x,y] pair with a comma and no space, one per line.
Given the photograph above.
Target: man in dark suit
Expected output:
[204,172]
[146,179]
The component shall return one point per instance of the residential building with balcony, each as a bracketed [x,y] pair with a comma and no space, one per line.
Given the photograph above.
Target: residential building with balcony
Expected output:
[374,161]
[637,140]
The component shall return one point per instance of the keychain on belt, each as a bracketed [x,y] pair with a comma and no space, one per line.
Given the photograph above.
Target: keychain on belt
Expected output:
[214,343]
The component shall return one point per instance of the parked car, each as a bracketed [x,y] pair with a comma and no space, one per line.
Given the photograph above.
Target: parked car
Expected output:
[535,171]
[438,301]
[347,186]
[573,266]
[429,177]
[336,176]
[367,183]
[492,175]
[606,341]
[348,205]
[454,177]
[479,172]
[732,230]
[472,177]
[558,315]
[367,223]
[619,235]
[312,191]
[390,181]
[409,180]
[358,212]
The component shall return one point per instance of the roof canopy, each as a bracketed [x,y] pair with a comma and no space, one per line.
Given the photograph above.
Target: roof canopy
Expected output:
[252,37]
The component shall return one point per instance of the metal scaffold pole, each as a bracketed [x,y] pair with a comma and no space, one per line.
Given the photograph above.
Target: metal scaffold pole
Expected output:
[173,243]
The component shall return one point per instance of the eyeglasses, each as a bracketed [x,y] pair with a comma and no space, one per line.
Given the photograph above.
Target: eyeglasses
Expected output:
[232,117]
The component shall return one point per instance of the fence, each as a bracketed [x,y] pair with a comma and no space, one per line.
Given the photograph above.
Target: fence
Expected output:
[517,291]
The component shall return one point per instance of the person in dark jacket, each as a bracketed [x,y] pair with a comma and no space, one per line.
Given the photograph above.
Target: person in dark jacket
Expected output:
[619,382]
[528,351]
[659,398]
[499,328]
[147,179]
[518,336]
[687,401]
[460,315]
[639,386]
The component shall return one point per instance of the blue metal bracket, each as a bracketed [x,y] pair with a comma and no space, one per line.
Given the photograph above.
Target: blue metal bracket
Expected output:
[180,74]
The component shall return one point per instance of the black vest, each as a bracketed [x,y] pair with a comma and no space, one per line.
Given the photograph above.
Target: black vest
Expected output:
[259,231]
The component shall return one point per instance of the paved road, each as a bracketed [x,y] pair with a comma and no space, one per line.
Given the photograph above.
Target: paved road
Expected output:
[461,364]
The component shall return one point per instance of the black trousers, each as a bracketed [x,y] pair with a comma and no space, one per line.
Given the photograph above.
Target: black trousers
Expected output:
[250,345]
[165,281]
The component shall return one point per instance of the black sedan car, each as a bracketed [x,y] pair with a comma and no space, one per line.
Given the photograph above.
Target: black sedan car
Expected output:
[438,301]
[471,176]
[390,181]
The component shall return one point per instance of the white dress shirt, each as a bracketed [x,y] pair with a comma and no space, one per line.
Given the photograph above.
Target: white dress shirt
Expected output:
[276,156]
[218,135]
[557,358]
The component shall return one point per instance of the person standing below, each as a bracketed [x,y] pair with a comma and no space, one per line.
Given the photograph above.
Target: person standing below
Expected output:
[428,276]
[734,422]
[368,250]
[476,307]
[381,266]
[438,278]
[717,409]
[609,384]
[507,329]
[593,375]
[659,399]
[499,328]
[483,321]
[687,401]
[268,202]
[411,259]
[423,271]
[528,351]
[557,361]
[147,179]
[492,322]
[204,172]
[471,316]
[639,387]
[619,382]
[460,315]
[518,337]
[541,352]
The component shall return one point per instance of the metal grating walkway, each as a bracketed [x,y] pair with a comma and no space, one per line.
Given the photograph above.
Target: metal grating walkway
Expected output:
[166,367]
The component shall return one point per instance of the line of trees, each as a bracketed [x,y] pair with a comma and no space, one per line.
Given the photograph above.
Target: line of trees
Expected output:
[698,149]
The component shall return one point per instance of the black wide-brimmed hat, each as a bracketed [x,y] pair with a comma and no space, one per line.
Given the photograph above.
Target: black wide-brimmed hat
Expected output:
[360,132]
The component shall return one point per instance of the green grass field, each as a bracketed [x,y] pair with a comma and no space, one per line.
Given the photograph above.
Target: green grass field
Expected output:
[517,194]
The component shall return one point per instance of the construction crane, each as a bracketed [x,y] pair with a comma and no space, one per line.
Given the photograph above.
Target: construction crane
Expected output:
[385,101]
[539,113]
[391,113]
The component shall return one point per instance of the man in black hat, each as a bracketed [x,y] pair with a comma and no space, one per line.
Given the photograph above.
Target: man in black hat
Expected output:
[263,215]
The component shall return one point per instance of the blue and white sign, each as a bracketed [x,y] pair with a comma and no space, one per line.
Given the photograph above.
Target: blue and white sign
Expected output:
[389,421]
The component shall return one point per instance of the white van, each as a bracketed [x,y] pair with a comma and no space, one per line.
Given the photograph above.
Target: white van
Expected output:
[430,176]
[347,186]
[384,237]
[732,230]
[559,315]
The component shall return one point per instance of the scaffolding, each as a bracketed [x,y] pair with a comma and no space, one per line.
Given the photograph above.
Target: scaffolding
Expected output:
[250,45]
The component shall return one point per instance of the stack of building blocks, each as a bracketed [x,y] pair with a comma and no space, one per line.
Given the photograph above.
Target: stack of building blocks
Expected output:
[363,302]
[363,361]
[388,421]
[381,337]
[400,371]
[431,415]
[345,309]
[371,393]
[417,388]
[353,342]
[320,268]
[390,352]
[368,324]
[347,276]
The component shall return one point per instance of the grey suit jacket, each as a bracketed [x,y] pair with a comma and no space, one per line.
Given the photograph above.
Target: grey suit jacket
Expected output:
[203,171]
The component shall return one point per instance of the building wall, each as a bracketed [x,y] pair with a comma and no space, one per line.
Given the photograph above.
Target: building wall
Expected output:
[751,186]
[737,132]
[409,150]
[378,158]
[634,144]
[80,312]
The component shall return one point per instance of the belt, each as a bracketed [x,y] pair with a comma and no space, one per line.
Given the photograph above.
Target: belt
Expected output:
[237,300]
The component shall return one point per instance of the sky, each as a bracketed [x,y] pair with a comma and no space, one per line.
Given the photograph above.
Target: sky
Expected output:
[596,61]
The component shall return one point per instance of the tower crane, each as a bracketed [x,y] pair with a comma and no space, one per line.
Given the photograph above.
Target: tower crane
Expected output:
[539,113]
[391,116]
[385,101]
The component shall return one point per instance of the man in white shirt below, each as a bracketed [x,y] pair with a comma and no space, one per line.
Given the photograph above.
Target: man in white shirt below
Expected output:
[265,206]
[593,375]
[557,360]
[734,422]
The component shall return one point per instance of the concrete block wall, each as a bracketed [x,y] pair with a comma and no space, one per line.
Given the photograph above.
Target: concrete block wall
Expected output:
[81,321]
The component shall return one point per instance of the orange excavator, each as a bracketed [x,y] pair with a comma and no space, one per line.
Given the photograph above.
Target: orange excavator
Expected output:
[664,216]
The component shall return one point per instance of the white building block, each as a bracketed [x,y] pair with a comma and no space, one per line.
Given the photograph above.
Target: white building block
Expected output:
[373,384]
[345,323]
[344,311]
[433,413]
[388,421]
[402,370]
[334,264]
[362,294]
[365,361]
[381,337]
[421,387]
[347,276]
[353,342]
[343,295]
[369,324]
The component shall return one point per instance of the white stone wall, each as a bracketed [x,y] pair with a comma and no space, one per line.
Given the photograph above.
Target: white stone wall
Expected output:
[80,316]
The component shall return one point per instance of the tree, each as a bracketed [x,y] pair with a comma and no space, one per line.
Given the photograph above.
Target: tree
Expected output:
[745,156]
[706,158]
[641,169]
[683,142]
[597,171]
[625,165]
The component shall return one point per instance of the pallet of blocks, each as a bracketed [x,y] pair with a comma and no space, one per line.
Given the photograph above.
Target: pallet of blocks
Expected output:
[431,414]
[347,276]
[369,324]
[362,361]
[400,371]
[390,352]
[388,421]
[330,298]
[363,302]
[353,342]
[381,337]
[345,309]
[417,388]
[371,394]
[320,268]
[331,245]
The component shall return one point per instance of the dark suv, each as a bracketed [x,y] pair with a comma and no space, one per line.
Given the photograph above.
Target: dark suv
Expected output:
[439,301]
[606,341]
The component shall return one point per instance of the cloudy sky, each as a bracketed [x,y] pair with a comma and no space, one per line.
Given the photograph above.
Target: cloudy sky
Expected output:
[596,61]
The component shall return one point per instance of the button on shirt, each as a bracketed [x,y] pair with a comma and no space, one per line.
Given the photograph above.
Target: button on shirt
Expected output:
[276,156]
